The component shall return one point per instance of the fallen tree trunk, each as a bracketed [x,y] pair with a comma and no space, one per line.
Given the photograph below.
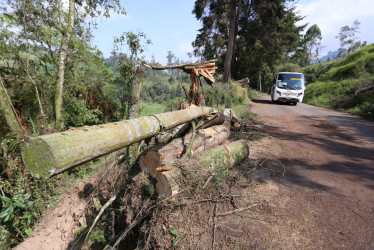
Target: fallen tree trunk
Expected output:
[213,161]
[52,154]
[215,120]
[363,90]
[161,157]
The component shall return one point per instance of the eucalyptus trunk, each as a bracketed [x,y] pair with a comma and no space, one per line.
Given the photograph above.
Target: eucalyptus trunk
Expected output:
[61,66]
[230,43]
[8,110]
[52,154]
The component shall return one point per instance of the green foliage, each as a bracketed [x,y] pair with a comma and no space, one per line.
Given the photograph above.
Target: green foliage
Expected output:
[149,109]
[337,82]
[225,96]
[289,67]
[16,212]
[23,199]
[267,35]
[78,114]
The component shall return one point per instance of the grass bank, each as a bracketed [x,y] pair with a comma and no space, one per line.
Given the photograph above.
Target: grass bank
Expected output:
[340,84]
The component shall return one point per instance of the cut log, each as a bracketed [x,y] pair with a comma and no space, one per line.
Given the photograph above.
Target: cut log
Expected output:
[51,154]
[233,118]
[244,81]
[215,160]
[157,158]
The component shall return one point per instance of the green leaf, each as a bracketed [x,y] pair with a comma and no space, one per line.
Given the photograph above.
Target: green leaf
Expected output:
[19,204]
[174,232]
[177,236]
[28,231]
[6,199]
[5,212]
[7,18]
[7,218]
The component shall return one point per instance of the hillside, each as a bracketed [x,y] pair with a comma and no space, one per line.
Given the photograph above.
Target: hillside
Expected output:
[344,84]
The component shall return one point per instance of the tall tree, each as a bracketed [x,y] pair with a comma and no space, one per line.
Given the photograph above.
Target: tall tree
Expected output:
[265,34]
[348,39]
[131,70]
[230,42]
[50,40]
[313,37]
[66,34]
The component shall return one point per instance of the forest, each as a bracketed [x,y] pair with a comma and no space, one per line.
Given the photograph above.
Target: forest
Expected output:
[53,79]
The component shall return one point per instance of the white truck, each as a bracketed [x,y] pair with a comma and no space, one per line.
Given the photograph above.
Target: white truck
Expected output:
[288,87]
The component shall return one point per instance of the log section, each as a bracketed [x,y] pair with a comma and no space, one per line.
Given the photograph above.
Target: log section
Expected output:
[51,154]
[164,156]
[217,159]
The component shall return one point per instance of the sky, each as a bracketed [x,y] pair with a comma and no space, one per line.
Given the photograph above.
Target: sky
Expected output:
[171,26]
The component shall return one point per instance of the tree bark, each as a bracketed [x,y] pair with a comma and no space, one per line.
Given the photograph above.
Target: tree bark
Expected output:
[215,120]
[52,154]
[37,94]
[61,66]
[230,43]
[213,161]
[165,156]
[8,111]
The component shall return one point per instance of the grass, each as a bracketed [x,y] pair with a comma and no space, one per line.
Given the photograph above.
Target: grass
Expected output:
[336,83]
[149,109]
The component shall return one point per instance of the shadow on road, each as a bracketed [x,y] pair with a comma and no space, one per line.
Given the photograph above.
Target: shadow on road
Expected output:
[270,102]
[350,161]
[263,101]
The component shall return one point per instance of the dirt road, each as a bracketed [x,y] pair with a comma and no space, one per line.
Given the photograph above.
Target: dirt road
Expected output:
[328,195]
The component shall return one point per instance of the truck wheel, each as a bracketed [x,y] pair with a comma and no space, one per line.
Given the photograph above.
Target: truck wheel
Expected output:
[295,103]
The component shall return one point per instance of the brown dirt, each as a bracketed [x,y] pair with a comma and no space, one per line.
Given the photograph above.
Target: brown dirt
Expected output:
[58,228]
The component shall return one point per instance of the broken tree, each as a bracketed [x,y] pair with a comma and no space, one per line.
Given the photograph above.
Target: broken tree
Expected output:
[195,70]
[51,154]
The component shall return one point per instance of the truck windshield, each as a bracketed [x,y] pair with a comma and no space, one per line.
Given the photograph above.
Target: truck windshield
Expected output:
[290,81]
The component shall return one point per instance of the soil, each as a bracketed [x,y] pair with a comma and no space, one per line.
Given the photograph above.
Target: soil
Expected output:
[308,183]
[58,228]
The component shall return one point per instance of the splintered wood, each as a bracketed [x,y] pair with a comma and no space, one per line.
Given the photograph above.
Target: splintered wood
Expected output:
[195,70]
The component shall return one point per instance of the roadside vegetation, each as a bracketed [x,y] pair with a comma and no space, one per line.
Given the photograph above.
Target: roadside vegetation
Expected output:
[52,79]
[344,84]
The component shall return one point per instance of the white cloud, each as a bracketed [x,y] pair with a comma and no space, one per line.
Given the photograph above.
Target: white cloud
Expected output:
[331,15]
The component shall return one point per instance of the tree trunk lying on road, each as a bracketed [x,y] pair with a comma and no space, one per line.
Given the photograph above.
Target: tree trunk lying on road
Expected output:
[51,154]
[213,161]
[166,155]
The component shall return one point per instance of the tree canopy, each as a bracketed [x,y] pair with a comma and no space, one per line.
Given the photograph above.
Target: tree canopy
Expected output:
[266,34]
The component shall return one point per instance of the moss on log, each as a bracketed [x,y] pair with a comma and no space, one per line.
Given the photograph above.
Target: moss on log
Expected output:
[217,159]
[54,153]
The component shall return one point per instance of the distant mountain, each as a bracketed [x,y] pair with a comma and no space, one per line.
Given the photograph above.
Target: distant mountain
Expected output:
[331,55]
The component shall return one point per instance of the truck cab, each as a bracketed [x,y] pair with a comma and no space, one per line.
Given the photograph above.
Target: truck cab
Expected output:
[288,87]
